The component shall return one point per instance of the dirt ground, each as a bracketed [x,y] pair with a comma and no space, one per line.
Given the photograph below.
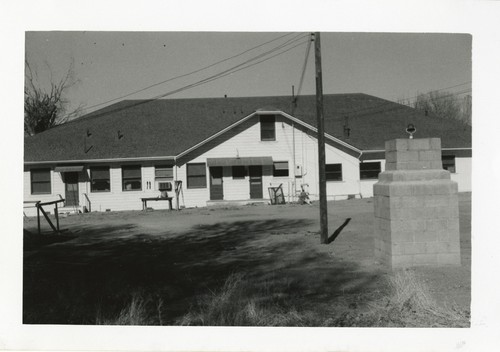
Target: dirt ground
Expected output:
[101,259]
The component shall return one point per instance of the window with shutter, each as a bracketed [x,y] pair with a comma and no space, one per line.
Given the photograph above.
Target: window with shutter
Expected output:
[333,172]
[196,175]
[449,163]
[268,128]
[164,173]
[131,178]
[99,179]
[239,172]
[40,181]
[280,169]
[369,170]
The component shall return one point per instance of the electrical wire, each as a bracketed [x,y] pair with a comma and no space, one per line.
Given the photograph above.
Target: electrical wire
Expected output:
[394,105]
[239,67]
[304,67]
[232,70]
[192,72]
[414,97]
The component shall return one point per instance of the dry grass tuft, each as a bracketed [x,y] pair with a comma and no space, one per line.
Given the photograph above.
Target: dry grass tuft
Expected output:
[135,313]
[407,303]
[231,306]
[410,304]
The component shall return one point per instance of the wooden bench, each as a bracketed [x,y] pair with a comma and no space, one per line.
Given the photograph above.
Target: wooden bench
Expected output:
[155,199]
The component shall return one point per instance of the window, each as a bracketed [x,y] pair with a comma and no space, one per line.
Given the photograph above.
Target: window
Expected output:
[99,179]
[370,170]
[239,172]
[196,175]
[131,178]
[164,173]
[333,172]
[268,128]
[280,169]
[40,181]
[449,163]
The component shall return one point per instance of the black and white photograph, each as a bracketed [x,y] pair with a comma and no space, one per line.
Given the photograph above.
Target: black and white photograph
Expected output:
[181,181]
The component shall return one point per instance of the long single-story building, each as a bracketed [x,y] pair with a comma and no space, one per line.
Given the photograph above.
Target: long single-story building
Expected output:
[226,150]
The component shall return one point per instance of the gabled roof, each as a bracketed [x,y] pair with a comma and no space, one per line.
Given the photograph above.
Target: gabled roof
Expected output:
[161,128]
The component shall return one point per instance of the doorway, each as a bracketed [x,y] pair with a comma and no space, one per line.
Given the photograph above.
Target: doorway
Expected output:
[216,183]
[71,189]
[255,176]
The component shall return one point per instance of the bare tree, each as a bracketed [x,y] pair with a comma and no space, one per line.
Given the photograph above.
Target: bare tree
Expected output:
[467,109]
[445,105]
[45,107]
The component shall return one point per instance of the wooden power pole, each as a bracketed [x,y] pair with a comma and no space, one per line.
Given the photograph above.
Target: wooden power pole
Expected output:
[323,210]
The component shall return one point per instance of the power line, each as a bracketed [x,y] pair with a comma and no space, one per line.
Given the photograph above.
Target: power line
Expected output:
[219,75]
[354,113]
[193,72]
[394,106]
[304,68]
[438,97]
[400,106]
[234,69]
[414,97]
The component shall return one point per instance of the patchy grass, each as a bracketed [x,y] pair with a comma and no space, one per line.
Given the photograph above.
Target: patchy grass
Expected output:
[237,303]
[142,310]
[233,306]
[412,305]
[134,314]
[263,266]
[408,303]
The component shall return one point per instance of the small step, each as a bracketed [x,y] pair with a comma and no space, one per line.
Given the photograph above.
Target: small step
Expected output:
[69,210]
[235,203]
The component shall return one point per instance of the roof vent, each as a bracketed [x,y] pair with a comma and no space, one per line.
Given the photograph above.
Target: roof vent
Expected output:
[120,135]
[347,129]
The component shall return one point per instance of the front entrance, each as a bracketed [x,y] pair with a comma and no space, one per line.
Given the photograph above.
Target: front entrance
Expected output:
[216,187]
[71,189]
[255,173]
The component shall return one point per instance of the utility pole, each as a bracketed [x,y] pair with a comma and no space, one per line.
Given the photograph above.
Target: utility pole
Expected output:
[323,210]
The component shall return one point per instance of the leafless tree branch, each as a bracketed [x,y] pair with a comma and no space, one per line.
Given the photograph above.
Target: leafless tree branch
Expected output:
[445,105]
[45,108]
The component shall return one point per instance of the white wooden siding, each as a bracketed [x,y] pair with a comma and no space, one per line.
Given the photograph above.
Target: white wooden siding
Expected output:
[463,174]
[366,186]
[247,143]
[117,199]
[56,187]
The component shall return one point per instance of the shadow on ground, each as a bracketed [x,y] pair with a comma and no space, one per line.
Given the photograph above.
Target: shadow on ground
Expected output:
[95,274]
[337,232]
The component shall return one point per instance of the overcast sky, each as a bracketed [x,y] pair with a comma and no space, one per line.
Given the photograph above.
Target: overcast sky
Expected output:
[110,65]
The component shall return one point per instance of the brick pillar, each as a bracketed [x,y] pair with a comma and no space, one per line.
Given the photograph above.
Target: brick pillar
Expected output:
[416,206]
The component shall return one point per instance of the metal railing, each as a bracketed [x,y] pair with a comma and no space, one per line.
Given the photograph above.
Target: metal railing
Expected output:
[89,203]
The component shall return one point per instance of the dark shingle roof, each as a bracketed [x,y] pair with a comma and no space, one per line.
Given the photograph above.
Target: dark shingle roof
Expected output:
[169,127]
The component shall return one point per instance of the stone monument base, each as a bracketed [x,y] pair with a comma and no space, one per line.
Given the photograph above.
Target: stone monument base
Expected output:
[416,207]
